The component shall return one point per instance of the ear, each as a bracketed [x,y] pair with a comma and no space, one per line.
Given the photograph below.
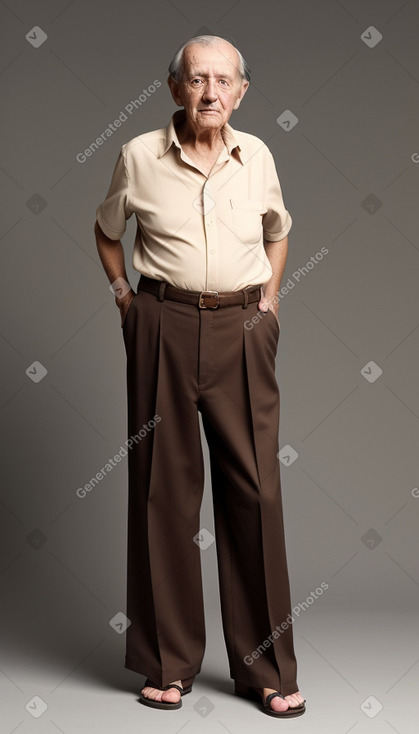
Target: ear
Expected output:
[243,90]
[174,88]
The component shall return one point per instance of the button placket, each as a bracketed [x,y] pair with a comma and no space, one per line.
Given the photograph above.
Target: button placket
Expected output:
[211,234]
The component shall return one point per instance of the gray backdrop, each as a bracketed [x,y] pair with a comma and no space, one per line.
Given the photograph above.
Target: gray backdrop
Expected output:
[334,94]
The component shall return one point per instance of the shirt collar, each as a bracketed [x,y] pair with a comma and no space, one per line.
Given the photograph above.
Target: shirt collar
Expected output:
[171,137]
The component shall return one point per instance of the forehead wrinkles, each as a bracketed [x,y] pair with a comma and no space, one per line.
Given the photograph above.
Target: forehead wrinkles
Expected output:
[218,63]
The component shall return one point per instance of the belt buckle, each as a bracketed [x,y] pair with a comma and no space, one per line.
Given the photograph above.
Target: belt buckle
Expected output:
[209,299]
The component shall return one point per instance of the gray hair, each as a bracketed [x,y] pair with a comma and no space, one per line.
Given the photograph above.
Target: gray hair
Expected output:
[176,67]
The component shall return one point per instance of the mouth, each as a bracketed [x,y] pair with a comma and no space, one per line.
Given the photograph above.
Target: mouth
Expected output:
[212,112]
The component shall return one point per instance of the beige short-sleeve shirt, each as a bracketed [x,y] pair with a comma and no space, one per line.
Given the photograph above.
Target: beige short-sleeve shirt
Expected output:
[195,231]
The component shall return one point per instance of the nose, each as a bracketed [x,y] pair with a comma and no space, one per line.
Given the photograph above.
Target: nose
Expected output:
[210,91]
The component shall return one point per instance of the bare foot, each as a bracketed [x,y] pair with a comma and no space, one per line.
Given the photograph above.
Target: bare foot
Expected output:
[172,695]
[282,704]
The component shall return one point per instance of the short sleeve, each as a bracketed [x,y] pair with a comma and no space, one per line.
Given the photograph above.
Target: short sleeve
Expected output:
[277,221]
[113,212]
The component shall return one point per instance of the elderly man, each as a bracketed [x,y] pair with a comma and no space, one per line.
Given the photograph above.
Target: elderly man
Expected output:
[201,336]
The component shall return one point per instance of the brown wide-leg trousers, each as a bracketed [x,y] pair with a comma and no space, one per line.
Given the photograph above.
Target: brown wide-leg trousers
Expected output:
[180,360]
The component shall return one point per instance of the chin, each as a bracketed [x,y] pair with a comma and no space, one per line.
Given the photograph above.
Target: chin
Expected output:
[212,120]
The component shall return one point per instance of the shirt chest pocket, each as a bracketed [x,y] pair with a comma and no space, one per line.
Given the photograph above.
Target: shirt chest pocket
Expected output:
[247,219]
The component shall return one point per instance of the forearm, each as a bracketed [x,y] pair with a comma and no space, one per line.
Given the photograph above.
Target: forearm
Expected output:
[111,254]
[112,257]
[277,255]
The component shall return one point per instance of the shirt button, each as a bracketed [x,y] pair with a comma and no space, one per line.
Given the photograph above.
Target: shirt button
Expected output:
[210,222]
[212,252]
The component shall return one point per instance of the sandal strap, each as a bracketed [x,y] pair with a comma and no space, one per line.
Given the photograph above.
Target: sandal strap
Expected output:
[174,685]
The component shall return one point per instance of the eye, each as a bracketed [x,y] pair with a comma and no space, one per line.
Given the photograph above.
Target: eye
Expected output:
[196,80]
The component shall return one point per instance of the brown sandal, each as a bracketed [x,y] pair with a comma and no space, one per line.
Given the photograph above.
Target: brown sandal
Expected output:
[256,694]
[164,704]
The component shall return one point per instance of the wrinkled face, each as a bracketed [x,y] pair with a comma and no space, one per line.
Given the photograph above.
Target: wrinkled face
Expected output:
[211,87]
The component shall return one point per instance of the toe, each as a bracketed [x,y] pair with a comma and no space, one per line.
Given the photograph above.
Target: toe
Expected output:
[295,699]
[149,692]
[276,703]
[172,695]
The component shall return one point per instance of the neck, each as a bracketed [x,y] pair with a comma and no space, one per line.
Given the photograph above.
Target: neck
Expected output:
[209,138]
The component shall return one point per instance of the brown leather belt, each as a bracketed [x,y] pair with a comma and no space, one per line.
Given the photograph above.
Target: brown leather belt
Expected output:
[202,299]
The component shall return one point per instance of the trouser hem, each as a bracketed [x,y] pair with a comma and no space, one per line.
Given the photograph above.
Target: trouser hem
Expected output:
[159,677]
[286,688]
